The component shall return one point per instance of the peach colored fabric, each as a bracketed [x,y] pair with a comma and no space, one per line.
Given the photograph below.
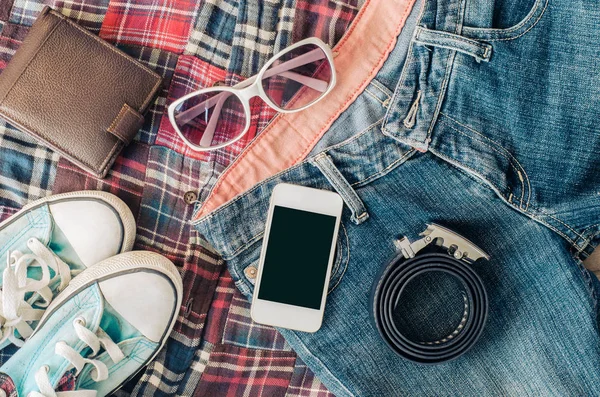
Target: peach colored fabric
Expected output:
[289,138]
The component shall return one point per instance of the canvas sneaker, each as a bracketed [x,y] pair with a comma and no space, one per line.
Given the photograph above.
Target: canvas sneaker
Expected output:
[48,242]
[110,322]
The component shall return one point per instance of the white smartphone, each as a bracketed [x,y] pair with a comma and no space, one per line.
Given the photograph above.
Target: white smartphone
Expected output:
[296,258]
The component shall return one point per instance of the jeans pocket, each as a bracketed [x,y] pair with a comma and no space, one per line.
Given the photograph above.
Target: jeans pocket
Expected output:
[514,31]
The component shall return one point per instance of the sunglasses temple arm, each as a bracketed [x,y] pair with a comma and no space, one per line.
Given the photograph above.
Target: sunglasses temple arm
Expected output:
[209,133]
[188,115]
[282,69]
[301,60]
[315,84]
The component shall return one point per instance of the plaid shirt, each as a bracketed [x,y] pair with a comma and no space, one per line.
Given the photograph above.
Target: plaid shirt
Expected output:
[215,349]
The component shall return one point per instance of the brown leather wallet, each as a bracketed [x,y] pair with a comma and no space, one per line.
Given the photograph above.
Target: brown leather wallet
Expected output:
[75,92]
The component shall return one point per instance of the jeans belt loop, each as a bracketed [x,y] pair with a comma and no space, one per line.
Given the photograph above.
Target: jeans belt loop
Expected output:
[324,163]
[482,52]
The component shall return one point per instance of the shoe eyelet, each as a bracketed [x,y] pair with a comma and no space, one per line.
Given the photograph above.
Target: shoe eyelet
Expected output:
[31,241]
[80,320]
[46,368]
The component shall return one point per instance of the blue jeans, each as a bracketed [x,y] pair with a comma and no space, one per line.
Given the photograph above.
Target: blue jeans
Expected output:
[483,120]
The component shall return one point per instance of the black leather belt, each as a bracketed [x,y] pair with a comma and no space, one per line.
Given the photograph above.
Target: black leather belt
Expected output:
[455,261]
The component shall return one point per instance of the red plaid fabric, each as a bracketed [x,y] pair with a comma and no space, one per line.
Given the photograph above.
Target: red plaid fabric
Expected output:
[163,24]
[6,212]
[237,372]
[219,309]
[89,14]
[215,348]
[240,330]
[8,386]
[5,6]
[12,36]
[323,18]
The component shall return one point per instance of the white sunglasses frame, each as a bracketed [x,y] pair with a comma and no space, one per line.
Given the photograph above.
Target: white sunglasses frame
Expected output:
[251,88]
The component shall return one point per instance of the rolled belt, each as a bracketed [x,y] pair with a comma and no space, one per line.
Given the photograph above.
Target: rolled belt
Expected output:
[390,286]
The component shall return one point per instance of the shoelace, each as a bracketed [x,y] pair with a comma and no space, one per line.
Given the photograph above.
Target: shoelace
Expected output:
[15,311]
[100,372]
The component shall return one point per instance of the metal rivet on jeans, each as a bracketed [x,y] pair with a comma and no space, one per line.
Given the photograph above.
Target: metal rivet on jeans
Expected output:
[190,197]
[250,272]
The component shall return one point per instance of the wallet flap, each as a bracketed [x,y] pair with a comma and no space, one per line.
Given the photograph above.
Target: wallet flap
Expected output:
[126,125]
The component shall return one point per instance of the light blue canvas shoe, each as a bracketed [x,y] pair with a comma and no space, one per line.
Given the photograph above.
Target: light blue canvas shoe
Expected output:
[110,321]
[48,242]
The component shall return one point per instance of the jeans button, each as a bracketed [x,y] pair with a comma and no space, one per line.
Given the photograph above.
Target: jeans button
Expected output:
[250,272]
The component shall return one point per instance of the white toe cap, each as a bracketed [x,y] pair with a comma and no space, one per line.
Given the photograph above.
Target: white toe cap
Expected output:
[146,299]
[94,229]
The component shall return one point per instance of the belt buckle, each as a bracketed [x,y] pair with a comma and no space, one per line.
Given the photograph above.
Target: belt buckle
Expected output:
[457,246]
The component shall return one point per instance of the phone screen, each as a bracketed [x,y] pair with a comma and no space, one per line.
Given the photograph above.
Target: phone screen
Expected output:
[296,257]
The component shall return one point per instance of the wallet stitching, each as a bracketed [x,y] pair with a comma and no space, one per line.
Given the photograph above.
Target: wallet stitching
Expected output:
[31,60]
[116,51]
[124,109]
[117,119]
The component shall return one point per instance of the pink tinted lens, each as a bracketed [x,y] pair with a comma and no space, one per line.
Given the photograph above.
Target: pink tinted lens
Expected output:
[298,77]
[211,119]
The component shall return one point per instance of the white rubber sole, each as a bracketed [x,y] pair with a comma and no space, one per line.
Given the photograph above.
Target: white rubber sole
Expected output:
[123,263]
[127,218]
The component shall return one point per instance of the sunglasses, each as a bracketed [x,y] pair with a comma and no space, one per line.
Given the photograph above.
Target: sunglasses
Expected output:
[293,80]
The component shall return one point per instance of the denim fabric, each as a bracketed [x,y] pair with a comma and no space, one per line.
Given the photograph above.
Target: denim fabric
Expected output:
[492,132]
